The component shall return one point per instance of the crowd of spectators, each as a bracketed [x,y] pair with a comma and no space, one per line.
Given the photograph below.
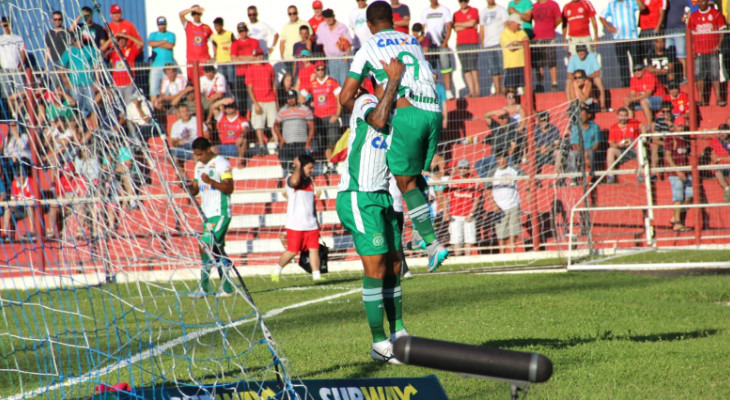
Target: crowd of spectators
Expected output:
[244,102]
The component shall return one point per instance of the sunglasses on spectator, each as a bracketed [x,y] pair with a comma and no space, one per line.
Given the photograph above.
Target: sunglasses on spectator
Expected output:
[320,69]
[504,116]
[252,15]
[195,13]
[510,96]
[580,77]
[293,13]
[58,19]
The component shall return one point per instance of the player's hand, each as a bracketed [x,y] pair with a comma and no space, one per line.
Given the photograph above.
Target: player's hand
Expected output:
[394,69]
[205,178]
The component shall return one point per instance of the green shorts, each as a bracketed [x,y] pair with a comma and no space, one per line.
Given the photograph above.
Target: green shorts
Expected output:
[370,218]
[415,135]
[216,227]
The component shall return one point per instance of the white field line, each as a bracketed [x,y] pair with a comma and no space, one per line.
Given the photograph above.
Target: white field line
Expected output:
[164,347]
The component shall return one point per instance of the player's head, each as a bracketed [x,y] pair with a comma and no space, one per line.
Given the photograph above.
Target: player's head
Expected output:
[379,16]
[306,163]
[201,150]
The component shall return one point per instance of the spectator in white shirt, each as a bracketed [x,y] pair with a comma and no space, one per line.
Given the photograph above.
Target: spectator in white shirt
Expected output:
[172,85]
[491,23]
[182,134]
[359,24]
[261,31]
[12,59]
[437,22]
[213,87]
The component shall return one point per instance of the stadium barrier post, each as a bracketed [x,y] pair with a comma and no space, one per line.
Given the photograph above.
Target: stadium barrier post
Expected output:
[693,126]
[531,150]
[30,103]
[200,115]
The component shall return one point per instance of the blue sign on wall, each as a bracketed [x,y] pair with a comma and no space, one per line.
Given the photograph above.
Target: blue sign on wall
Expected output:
[426,388]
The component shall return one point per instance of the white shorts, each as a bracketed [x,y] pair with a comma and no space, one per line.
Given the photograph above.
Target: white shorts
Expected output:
[509,225]
[266,118]
[463,232]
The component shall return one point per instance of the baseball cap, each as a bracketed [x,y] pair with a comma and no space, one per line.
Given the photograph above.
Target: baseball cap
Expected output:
[241,26]
[639,66]
[463,163]
[161,21]
[514,18]
[305,53]
[291,93]
[317,4]
[114,9]
[581,47]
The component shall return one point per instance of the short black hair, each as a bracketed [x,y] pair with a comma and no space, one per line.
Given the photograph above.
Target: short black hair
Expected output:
[218,21]
[87,9]
[305,159]
[328,13]
[417,27]
[56,12]
[304,28]
[208,68]
[201,143]
[379,11]
[666,104]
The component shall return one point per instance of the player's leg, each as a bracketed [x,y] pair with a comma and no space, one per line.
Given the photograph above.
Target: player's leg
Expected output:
[206,261]
[415,136]
[293,244]
[363,218]
[312,243]
[222,261]
[392,294]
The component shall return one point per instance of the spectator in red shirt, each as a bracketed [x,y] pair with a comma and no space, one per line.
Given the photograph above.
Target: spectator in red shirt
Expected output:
[721,155]
[327,109]
[401,16]
[120,25]
[244,50]
[463,204]
[679,100]
[547,17]
[305,73]
[232,130]
[620,136]
[317,18]
[21,189]
[707,47]
[676,154]
[651,22]
[130,49]
[261,88]
[645,93]
[578,17]
[466,20]
[197,35]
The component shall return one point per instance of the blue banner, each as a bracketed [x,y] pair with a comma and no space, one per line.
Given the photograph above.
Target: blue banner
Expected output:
[427,387]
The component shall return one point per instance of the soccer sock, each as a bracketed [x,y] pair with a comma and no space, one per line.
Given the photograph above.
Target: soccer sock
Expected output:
[278,269]
[224,269]
[420,214]
[392,296]
[372,298]
[205,272]
[315,275]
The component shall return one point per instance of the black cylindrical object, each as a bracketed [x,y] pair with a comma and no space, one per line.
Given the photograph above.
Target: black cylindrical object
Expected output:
[489,362]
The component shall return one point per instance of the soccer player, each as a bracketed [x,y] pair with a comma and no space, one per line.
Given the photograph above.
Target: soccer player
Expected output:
[365,209]
[416,126]
[214,182]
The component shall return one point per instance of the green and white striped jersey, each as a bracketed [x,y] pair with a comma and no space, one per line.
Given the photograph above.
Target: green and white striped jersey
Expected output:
[365,163]
[417,82]
[214,202]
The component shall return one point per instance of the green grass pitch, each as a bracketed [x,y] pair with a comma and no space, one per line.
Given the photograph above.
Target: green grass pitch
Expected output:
[609,335]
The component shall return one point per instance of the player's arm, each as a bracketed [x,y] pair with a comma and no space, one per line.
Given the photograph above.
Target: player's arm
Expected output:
[348,92]
[193,188]
[225,185]
[296,176]
[380,116]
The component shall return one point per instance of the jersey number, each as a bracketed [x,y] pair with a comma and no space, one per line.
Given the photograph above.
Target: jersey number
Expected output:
[412,63]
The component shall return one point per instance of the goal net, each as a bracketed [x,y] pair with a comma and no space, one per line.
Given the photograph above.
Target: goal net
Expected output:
[102,243]
[658,206]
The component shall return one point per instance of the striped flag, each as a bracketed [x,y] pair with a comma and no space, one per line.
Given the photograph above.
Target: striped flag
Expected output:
[339,153]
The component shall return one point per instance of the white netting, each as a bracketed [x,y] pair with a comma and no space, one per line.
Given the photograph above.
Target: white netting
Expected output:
[98,270]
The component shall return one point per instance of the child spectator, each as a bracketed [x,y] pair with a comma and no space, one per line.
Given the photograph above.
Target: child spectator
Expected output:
[232,131]
[21,190]
[463,203]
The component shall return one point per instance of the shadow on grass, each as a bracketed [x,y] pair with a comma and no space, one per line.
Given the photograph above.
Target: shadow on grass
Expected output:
[604,336]
[359,370]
